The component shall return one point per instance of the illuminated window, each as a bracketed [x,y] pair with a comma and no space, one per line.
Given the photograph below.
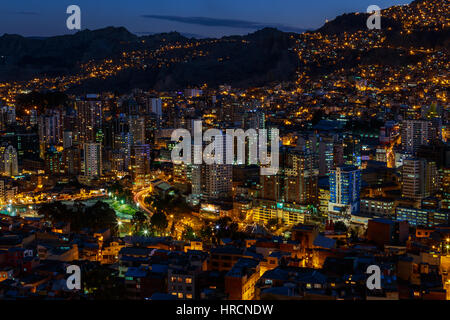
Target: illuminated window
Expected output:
[189,296]
[188,280]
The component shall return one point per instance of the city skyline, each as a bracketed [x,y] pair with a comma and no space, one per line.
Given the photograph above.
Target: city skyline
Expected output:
[268,166]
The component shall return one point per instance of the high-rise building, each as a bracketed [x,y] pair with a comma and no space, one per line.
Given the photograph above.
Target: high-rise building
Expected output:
[130,106]
[182,175]
[33,116]
[431,179]
[89,112]
[137,129]
[297,177]
[2,192]
[140,165]
[414,134]
[10,161]
[324,195]
[272,187]
[345,189]
[72,160]
[352,150]
[446,189]
[151,125]
[387,133]
[254,119]
[7,116]
[123,142]
[300,178]
[156,108]
[420,178]
[26,144]
[338,155]
[211,181]
[326,155]
[217,181]
[67,139]
[54,164]
[413,178]
[437,151]
[93,160]
[118,163]
[50,127]
[8,192]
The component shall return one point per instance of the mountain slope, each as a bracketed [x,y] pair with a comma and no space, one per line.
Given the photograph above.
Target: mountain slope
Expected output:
[162,61]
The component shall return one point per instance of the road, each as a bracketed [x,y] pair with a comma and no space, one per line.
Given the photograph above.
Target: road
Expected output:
[139,198]
[180,220]
[22,202]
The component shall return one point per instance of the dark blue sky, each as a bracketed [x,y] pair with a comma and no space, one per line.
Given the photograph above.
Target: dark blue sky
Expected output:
[197,17]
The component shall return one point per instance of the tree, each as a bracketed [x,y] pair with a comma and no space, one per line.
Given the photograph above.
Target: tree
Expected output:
[139,221]
[339,226]
[172,203]
[55,212]
[121,192]
[226,228]
[102,284]
[159,220]
[272,222]
[206,232]
[188,233]
[98,216]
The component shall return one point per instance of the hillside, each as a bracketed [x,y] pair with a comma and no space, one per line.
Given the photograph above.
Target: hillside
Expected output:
[115,59]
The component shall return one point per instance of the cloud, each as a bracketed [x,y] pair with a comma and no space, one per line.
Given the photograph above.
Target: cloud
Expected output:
[229,23]
[184,34]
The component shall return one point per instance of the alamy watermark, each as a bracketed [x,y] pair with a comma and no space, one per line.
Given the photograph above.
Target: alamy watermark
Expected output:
[73,22]
[374,280]
[374,20]
[221,149]
[73,282]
